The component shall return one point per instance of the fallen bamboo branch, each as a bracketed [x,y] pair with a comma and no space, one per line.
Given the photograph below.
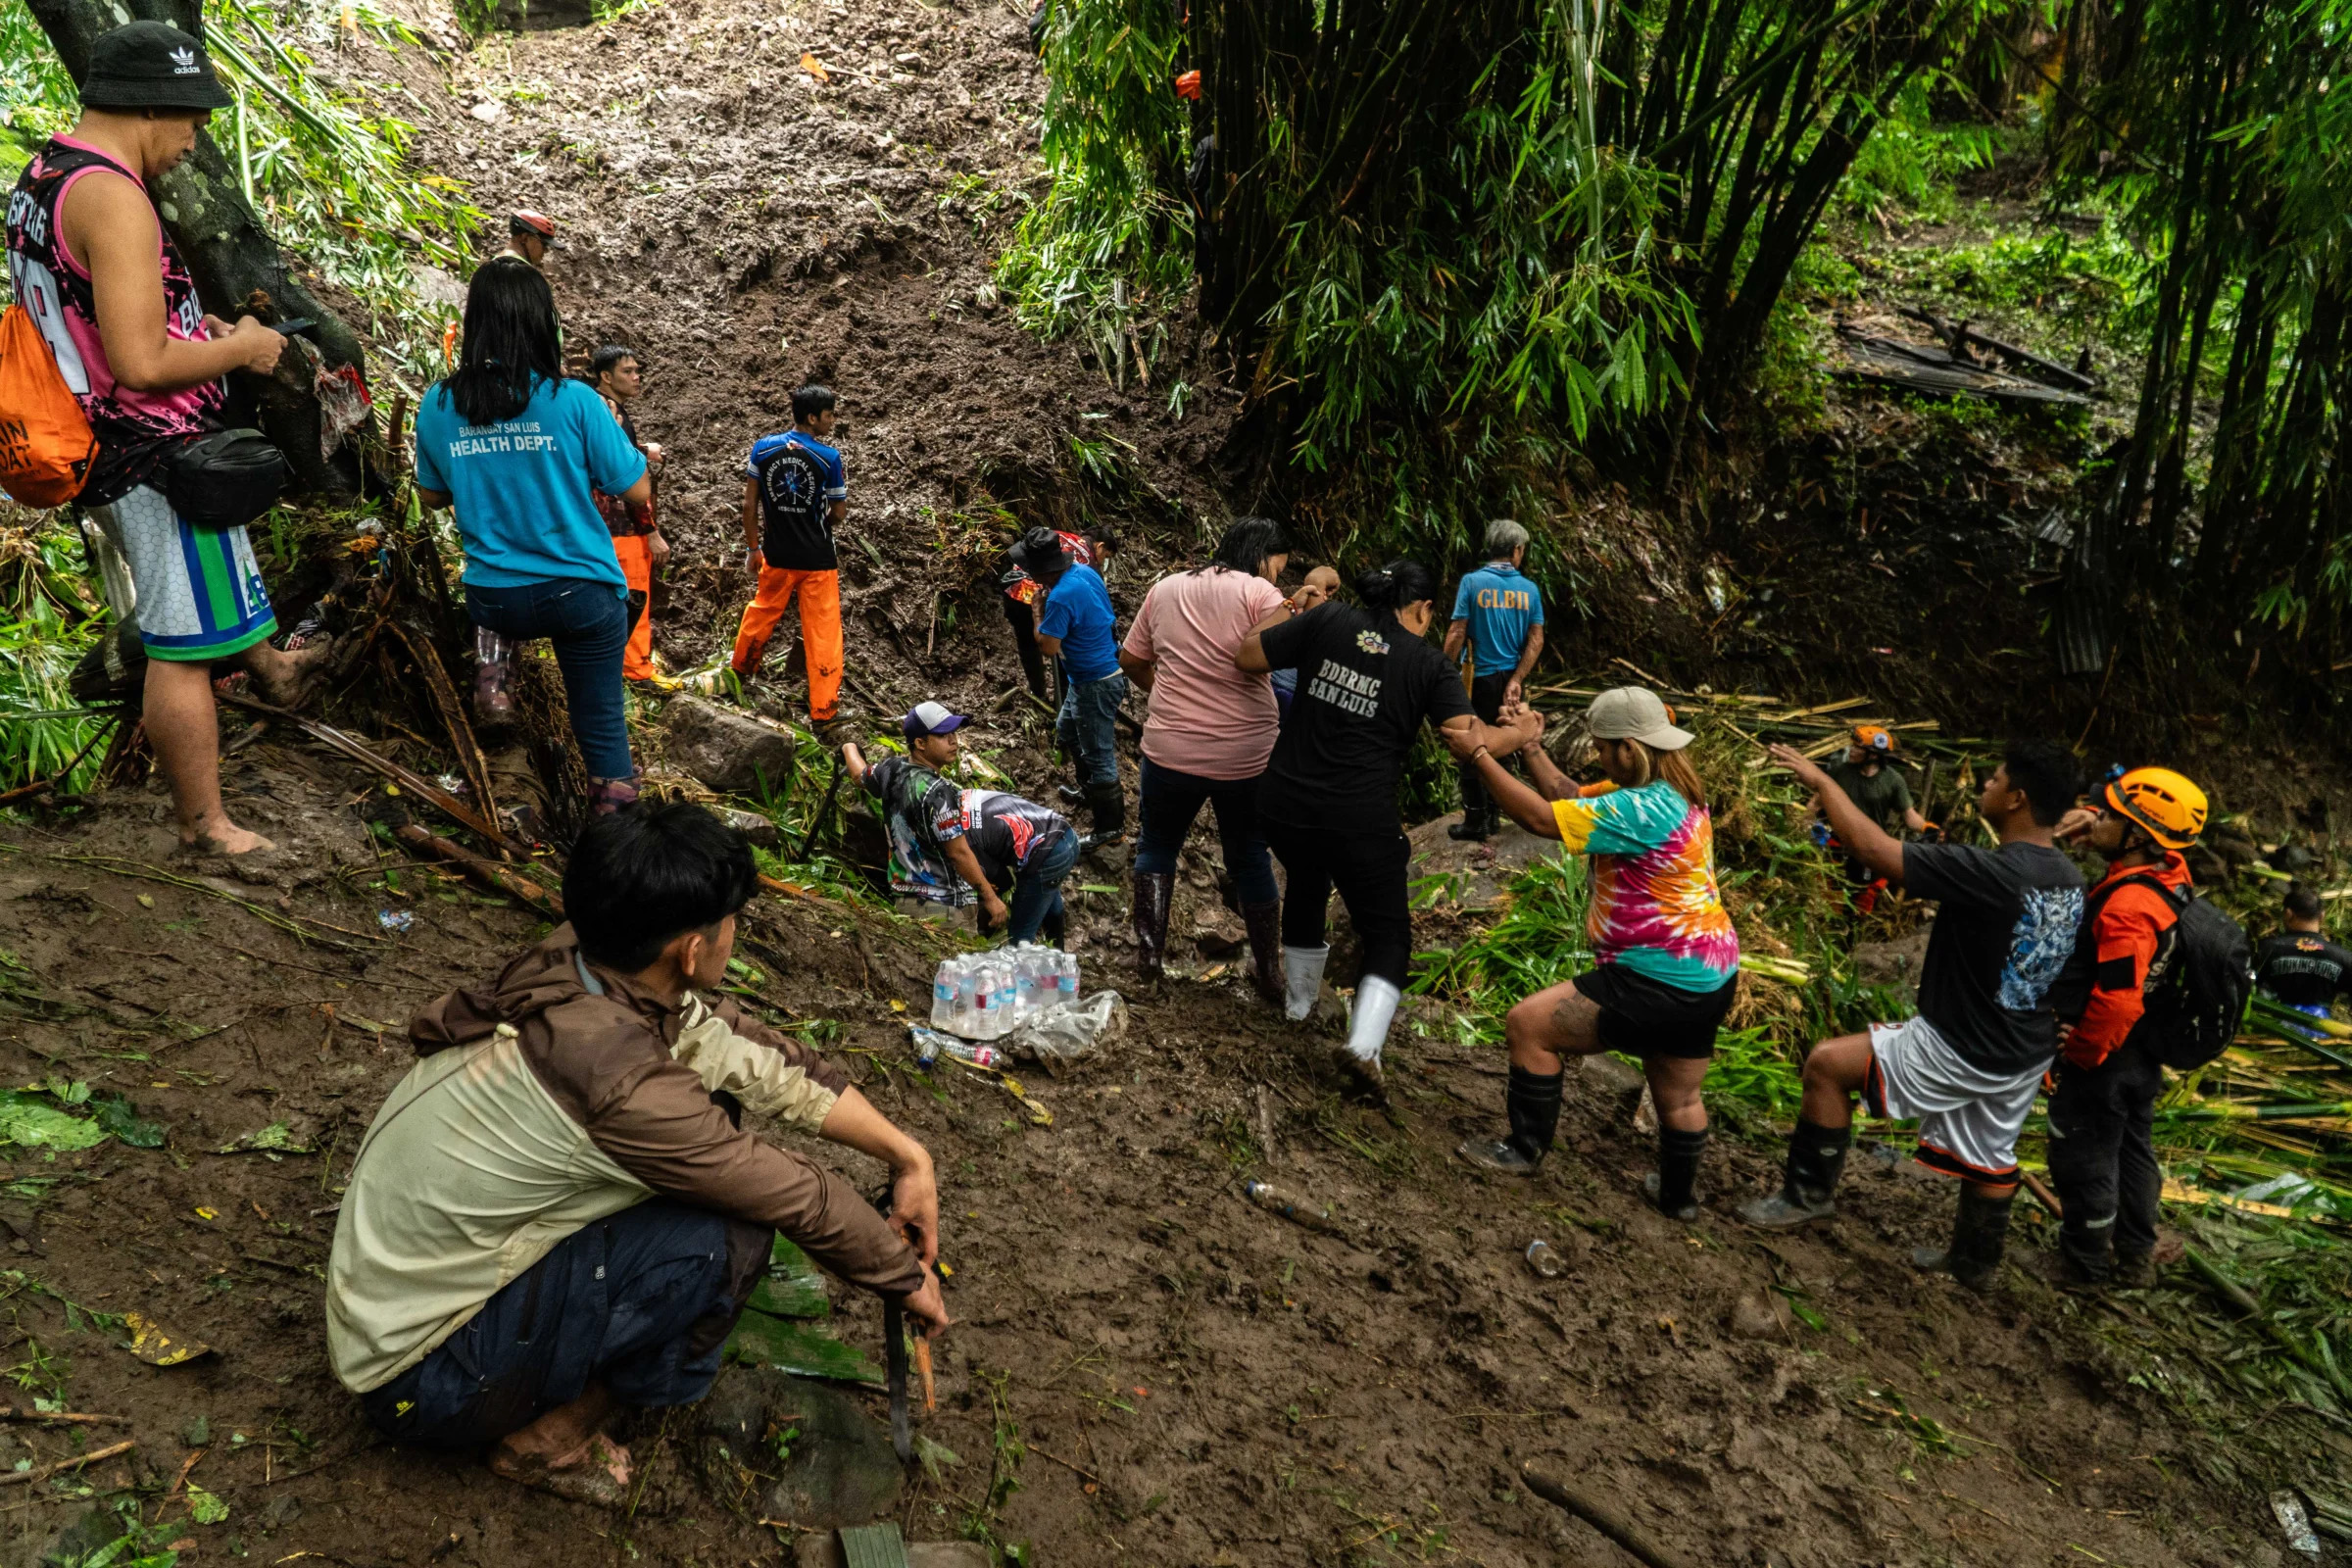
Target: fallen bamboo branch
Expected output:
[446,702]
[422,788]
[2043,1194]
[1600,1515]
[62,1417]
[20,1477]
[512,883]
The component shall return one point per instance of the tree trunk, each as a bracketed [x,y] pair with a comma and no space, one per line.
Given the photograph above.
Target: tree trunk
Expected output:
[231,256]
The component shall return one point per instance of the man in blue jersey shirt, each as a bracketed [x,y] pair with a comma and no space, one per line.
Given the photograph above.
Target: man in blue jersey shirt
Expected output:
[1076,624]
[1499,613]
[795,493]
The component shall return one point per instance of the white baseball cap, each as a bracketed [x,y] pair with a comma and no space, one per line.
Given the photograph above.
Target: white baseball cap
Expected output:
[1635,713]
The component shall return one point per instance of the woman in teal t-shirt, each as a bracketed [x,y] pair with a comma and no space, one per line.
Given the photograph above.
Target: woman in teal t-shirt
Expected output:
[518,449]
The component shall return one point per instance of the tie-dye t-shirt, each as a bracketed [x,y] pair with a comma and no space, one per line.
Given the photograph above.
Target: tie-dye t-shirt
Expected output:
[1655,906]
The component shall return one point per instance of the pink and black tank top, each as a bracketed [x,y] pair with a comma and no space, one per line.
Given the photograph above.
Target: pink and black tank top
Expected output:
[133,427]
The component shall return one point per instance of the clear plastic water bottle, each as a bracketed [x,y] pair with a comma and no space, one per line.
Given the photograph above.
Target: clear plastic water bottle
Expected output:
[1065,975]
[990,989]
[1036,978]
[945,991]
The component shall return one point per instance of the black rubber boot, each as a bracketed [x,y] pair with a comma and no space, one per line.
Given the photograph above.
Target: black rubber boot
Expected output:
[1980,1231]
[1072,794]
[2134,1271]
[1265,921]
[1670,1186]
[1153,891]
[1107,803]
[1532,1104]
[1816,1159]
[1473,827]
[2086,1247]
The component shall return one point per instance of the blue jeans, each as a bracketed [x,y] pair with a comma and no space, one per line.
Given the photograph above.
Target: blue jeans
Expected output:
[1037,888]
[588,621]
[1167,799]
[642,1302]
[1087,727]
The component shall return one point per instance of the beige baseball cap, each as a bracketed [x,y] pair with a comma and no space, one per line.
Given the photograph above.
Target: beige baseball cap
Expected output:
[1635,713]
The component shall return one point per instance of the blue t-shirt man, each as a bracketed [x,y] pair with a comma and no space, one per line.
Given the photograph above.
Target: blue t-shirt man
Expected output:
[1502,607]
[1078,612]
[523,486]
[800,480]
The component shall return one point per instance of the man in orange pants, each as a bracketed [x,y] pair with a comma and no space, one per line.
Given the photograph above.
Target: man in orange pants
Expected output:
[637,542]
[795,494]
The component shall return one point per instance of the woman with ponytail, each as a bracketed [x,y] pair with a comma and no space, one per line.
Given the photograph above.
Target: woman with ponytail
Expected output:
[1668,961]
[1368,679]
[519,449]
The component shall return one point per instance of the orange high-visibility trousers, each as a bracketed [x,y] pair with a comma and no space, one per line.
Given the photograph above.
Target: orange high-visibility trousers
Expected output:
[635,554]
[819,596]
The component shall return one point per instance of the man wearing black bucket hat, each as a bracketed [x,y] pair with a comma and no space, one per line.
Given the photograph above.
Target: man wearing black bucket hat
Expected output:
[89,258]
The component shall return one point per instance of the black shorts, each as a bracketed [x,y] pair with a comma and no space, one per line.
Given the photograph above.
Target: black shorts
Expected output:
[1646,1017]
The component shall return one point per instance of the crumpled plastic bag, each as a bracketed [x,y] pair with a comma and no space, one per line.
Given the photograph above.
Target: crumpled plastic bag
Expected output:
[1068,1031]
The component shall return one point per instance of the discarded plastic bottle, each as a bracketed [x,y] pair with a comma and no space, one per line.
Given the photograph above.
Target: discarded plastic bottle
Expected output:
[930,1044]
[1298,1210]
[1547,1263]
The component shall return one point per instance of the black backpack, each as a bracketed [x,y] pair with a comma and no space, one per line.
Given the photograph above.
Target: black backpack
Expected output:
[2195,1006]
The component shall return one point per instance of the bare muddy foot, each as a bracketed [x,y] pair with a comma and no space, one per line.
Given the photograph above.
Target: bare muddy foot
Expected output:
[596,1473]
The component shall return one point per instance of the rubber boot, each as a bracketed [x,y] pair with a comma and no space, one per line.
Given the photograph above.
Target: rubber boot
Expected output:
[1816,1159]
[2085,1247]
[1053,927]
[493,676]
[2134,1271]
[1107,803]
[1153,891]
[1980,1231]
[1375,1010]
[1302,980]
[1473,827]
[1070,795]
[1265,921]
[1670,1188]
[1533,1104]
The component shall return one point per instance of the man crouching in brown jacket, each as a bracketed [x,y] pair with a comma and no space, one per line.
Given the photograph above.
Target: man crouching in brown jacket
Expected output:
[556,1215]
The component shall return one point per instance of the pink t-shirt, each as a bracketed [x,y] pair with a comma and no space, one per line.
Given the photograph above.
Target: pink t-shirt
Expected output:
[1209,717]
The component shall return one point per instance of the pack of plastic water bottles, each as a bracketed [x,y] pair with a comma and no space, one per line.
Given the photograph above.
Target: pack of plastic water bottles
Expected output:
[986,995]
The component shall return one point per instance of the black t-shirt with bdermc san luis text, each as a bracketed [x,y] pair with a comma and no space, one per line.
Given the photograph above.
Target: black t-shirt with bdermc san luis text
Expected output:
[1365,684]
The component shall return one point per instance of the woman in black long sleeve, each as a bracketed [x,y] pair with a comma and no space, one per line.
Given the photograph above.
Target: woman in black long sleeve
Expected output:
[1367,678]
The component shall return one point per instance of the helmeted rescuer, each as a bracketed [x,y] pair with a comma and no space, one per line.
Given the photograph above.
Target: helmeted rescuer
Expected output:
[2102,1143]
[530,235]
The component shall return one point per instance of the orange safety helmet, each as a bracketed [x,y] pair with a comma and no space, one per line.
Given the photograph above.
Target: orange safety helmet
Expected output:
[2168,807]
[1871,738]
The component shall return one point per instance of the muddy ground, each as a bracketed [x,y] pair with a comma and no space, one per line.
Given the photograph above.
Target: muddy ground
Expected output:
[1173,1376]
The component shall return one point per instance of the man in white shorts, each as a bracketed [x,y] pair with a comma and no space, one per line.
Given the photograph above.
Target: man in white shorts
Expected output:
[1967,1068]
[117,305]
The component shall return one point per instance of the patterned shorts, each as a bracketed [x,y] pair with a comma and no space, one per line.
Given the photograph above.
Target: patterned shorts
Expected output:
[200,590]
[1969,1118]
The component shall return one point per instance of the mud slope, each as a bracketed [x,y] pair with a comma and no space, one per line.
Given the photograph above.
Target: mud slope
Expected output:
[1173,1377]
[747,227]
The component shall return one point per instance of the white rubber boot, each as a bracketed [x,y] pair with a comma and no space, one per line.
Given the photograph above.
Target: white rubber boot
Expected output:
[1302,980]
[1375,1010]
[1367,1031]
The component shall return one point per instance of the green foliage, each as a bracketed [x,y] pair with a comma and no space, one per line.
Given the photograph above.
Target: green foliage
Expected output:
[329,173]
[1109,244]
[47,620]
[1907,167]
[2094,283]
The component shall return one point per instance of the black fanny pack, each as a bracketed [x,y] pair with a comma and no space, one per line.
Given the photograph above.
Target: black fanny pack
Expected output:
[225,479]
